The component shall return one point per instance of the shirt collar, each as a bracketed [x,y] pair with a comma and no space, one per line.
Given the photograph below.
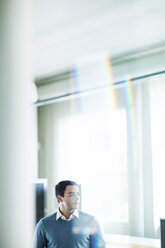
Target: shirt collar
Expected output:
[73,215]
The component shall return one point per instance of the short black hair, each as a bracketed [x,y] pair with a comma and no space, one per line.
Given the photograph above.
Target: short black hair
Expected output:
[61,187]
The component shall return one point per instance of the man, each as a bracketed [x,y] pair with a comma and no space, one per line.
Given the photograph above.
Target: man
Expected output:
[68,227]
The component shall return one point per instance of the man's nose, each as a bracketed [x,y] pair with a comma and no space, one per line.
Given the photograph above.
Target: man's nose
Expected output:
[77,196]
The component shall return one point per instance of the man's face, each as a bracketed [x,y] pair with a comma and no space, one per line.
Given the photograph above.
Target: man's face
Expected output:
[71,198]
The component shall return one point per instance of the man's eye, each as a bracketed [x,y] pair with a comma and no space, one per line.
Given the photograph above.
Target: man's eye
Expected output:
[71,194]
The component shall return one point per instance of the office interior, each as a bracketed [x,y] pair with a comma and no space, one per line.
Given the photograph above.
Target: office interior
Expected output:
[82,97]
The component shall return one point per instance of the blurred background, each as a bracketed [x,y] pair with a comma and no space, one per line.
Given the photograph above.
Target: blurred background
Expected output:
[82,97]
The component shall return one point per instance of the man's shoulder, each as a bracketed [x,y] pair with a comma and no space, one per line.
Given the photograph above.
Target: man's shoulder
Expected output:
[49,218]
[85,215]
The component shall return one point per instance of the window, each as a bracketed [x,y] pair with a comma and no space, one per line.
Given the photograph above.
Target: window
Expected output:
[111,141]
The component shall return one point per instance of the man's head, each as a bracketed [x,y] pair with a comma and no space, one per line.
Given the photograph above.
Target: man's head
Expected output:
[67,194]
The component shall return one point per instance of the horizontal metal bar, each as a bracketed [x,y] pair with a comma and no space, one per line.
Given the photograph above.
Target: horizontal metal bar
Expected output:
[83,92]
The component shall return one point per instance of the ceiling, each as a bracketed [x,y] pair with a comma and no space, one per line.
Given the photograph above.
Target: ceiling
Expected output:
[66,30]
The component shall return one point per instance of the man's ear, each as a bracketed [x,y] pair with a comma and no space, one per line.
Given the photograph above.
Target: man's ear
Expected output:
[59,198]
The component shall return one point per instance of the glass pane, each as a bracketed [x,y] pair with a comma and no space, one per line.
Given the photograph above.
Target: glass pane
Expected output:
[93,150]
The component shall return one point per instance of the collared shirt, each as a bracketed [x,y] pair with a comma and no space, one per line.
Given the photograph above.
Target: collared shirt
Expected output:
[73,215]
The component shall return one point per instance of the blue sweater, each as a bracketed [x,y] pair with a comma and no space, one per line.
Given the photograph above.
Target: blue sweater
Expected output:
[82,232]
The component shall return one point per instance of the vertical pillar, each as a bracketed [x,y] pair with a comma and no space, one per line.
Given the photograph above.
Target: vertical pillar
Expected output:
[17,124]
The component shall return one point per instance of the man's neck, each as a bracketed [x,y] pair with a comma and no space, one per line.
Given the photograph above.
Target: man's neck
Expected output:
[66,213]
